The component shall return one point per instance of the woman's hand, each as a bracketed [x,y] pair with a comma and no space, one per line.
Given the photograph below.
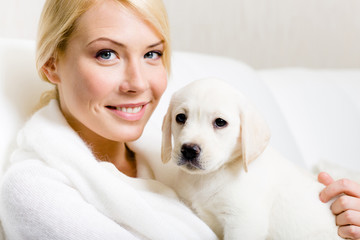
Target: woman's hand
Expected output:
[347,207]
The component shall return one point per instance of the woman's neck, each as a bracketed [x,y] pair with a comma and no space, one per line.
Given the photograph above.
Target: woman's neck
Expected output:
[118,154]
[115,152]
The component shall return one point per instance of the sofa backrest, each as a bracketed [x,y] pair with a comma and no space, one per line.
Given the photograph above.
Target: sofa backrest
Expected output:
[20,89]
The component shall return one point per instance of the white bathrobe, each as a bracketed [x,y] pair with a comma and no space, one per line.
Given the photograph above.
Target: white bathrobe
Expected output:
[56,189]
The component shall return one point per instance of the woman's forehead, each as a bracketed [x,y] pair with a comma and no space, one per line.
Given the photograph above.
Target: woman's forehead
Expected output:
[110,19]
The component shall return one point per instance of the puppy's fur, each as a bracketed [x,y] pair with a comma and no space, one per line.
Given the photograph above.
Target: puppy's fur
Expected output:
[227,173]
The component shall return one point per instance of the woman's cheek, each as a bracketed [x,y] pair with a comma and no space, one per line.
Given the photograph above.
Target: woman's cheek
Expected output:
[99,82]
[160,84]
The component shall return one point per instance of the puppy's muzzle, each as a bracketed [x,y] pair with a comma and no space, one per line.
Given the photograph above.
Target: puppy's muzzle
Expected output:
[190,155]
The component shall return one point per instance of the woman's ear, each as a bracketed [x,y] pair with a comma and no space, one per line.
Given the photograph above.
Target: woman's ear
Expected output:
[255,133]
[50,70]
[166,145]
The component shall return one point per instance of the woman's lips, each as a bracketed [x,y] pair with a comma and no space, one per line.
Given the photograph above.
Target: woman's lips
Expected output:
[133,112]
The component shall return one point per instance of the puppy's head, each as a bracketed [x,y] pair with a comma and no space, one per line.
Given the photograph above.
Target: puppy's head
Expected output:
[211,125]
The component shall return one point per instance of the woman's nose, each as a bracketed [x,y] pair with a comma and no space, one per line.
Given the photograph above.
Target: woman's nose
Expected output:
[135,80]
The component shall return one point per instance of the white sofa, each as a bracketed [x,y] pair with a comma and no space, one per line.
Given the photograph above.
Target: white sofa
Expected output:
[314,115]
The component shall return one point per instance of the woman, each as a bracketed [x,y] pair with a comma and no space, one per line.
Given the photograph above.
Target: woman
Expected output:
[73,176]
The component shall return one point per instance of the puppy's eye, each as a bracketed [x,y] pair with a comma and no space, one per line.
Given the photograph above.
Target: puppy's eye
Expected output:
[181,118]
[220,123]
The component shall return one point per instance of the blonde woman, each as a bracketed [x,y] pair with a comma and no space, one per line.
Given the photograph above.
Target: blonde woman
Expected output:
[73,175]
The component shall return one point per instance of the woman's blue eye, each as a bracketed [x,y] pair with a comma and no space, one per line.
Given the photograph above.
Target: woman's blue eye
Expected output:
[106,54]
[153,55]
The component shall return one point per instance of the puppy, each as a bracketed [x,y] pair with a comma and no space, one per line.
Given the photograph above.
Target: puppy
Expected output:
[230,177]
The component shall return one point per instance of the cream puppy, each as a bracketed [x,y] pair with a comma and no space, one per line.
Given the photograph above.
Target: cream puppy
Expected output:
[229,176]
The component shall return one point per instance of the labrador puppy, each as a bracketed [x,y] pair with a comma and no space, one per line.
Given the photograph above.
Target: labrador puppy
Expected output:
[230,177]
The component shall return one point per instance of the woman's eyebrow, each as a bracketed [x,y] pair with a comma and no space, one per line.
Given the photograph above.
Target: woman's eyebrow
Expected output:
[121,44]
[156,44]
[106,39]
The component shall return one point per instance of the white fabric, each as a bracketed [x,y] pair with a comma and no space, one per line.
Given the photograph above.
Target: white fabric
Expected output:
[56,189]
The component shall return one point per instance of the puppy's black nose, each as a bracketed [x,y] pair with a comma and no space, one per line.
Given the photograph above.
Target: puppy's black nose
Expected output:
[190,151]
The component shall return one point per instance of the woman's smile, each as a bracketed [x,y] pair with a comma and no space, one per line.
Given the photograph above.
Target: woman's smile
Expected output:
[130,112]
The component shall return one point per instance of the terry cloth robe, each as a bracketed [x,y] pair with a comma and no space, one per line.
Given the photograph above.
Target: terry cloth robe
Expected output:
[56,189]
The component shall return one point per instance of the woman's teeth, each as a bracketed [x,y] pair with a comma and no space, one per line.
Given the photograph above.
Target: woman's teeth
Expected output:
[129,110]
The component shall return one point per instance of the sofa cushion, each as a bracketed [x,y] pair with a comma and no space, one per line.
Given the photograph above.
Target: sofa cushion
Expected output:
[322,109]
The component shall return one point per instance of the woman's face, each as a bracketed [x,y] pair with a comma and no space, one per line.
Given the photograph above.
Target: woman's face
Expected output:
[112,76]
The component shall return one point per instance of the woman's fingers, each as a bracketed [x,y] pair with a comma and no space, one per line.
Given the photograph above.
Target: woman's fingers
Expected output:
[345,203]
[342,186]
[325,178]
[349,217]
[349,232]
[347,207]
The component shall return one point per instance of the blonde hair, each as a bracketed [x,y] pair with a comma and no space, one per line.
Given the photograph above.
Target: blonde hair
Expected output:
[58,22]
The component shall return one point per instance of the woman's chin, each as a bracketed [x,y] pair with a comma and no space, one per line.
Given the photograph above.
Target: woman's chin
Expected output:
[130,134]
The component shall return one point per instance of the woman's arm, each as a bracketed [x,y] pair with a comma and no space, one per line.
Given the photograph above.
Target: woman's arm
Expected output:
[38,202]
[347,207]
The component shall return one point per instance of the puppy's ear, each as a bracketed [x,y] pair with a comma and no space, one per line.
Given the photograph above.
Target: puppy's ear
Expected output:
[166,144]
[255,133]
